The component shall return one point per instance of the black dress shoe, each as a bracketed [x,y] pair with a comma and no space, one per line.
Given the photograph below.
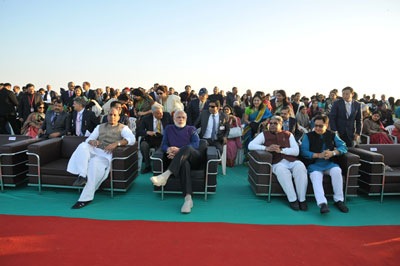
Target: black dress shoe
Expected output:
[80,204]
[340,205]
[324,208]
[80,181]
[303,205]
[294,205]
[146,170]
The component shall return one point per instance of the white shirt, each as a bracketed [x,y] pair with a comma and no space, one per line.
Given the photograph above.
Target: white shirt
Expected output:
[207,134]
[257,144]
[155,125]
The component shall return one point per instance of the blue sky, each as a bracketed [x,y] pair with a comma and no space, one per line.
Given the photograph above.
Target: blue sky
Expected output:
[305,46]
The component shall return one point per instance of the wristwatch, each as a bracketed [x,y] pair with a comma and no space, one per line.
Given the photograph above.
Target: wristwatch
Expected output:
[119,143]
[334,153]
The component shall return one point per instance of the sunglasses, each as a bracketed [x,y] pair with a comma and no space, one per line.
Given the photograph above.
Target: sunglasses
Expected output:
[160,93]
[40,107]
[319,126]
[212,106]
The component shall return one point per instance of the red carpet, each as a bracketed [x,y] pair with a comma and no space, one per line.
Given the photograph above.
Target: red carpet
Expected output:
[26,240]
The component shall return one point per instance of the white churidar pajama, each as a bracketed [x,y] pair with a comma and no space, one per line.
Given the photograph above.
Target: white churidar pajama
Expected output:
[285,169]
[94,163]
[337,184]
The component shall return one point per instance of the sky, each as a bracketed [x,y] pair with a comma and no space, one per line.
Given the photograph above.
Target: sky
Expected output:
[296,45]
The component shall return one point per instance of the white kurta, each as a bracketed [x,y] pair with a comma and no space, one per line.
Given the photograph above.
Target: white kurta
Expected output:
[285,169]
[94,163]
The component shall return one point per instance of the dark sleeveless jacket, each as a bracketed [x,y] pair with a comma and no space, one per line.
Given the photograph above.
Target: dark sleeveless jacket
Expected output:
[281,139]
[316,144]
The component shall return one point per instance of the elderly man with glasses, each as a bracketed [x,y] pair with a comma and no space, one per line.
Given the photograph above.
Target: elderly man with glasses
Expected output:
[320,147]
[284,149]
[180,145]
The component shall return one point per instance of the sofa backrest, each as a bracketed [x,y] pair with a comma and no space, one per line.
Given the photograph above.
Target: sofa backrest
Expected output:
[390,152]
[5,139]
[69,145]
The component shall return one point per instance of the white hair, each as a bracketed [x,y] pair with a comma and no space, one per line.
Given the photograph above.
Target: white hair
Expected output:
[179,112]
[155,107]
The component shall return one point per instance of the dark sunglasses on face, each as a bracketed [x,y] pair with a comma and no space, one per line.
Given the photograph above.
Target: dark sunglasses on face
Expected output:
[319,126]
[159,93]
[212,106]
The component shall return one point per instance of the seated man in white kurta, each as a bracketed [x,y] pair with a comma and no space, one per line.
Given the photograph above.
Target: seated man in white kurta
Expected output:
[91,160]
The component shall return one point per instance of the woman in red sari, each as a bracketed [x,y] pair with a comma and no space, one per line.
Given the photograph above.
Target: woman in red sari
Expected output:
[373,128]
[234,143]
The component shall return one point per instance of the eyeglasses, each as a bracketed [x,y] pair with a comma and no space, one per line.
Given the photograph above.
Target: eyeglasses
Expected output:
[212,106]
[274,123]
[319,126]
[41,107]
[160,93]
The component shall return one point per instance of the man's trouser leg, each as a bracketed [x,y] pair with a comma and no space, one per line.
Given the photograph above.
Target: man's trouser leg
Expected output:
[316,180]
[99,169]
[300,179]
[79,162]
[337,183]
[284,177]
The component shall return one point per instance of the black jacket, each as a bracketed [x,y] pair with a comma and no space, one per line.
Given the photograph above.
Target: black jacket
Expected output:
[89,122]
[8,102]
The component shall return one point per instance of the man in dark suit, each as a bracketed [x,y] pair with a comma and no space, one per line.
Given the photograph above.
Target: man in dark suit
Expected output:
[290,124]
[68,96]
[27,103]
[82,120]
[151,128]
[87,92]
[196,106]
[216,96]
[8,103]
[346,117]
[185,96]
[214,125]
[56,123]
[153,94]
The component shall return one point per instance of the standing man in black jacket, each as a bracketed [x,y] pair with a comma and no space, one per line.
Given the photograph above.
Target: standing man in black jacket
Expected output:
[8,103]
[27,103]
[196,106]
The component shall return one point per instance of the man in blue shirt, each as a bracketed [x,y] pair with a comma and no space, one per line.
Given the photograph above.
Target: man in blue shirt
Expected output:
[319,148]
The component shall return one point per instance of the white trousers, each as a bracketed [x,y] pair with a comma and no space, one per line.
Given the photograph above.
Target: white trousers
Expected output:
[92,163]
[284,171]
[337,184]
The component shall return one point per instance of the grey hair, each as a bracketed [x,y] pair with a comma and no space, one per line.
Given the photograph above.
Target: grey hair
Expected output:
[278,118]
[81,101]
[156,107]
[397,122]
[178,112]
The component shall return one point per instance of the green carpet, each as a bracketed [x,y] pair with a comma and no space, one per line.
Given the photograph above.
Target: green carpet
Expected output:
[233,203]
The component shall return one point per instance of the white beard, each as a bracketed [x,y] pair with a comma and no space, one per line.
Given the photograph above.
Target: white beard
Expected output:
[180,126]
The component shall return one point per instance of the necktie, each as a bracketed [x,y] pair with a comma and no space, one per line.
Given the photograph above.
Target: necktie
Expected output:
[78,124]
[201,106]
[214,129]
[158,126]
[54,119]
[348,109]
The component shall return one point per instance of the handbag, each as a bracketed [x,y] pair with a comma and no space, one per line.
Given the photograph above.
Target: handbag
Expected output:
[235,132]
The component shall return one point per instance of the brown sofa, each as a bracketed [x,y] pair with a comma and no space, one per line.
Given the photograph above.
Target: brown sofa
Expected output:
[204,179]
[13,159]
[260,171]
[374,179]
[48,162]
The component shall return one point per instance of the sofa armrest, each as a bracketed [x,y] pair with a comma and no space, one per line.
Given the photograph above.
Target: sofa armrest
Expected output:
[124,151]
[17,146]
[262,156]
[367,155]
[48,150]
[348,159]
[16,151]
[156,157]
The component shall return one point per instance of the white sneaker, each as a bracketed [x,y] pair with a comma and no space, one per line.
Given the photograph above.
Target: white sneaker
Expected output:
[159,180]
[187,206]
